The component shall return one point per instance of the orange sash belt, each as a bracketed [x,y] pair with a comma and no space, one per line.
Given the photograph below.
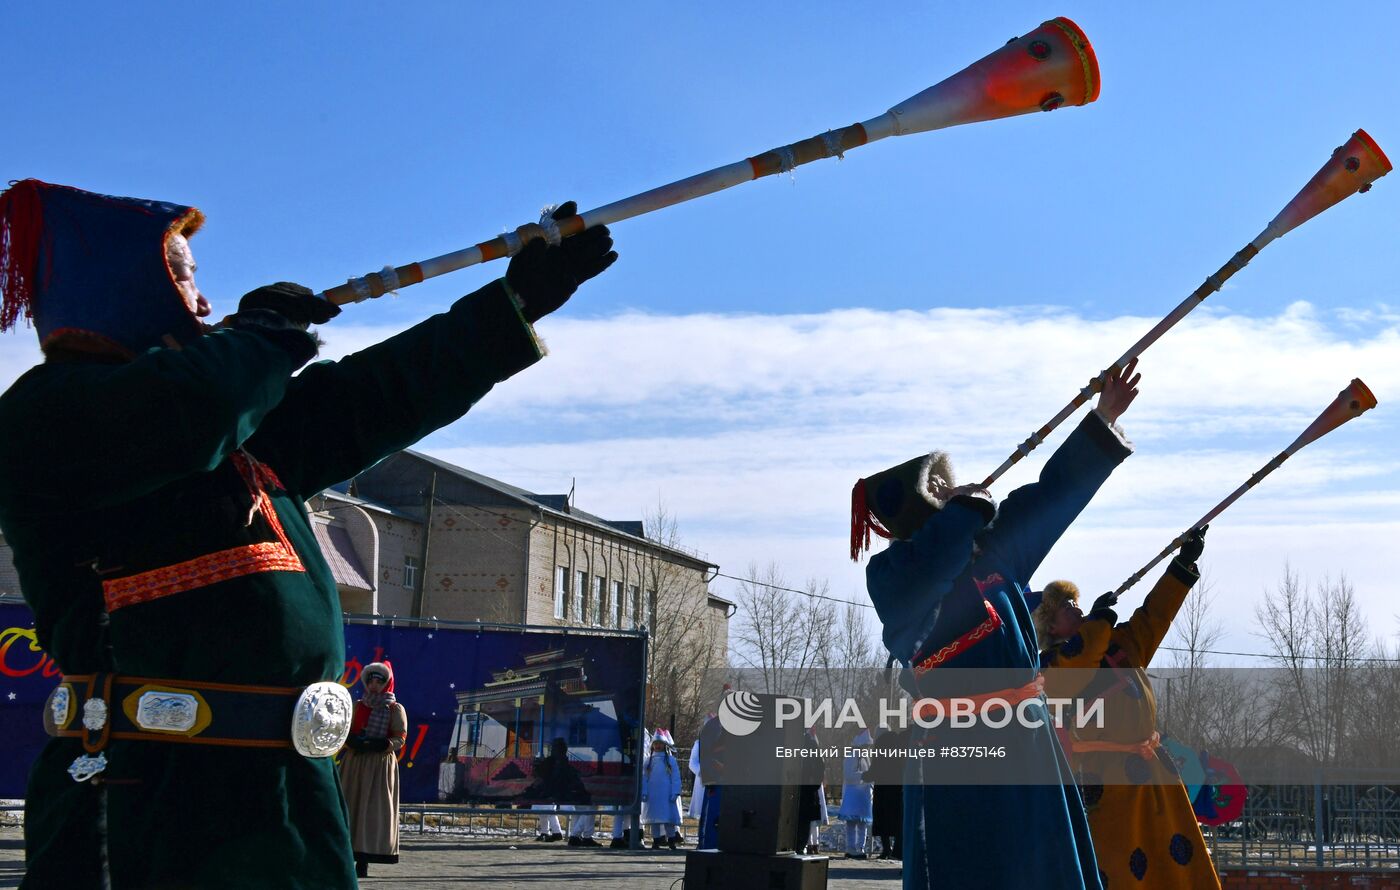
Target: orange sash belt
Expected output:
[1004,697]
[1146,749]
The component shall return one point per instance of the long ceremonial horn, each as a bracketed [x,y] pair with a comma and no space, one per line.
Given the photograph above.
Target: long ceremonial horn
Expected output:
[1351,402]
[1351,169]
[1051,66]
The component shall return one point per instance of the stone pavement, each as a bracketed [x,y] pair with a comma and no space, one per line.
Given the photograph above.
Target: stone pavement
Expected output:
[441,859]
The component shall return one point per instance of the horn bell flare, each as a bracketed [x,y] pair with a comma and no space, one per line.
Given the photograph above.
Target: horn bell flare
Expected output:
[1351,169]
[1051,66]
[1351,402]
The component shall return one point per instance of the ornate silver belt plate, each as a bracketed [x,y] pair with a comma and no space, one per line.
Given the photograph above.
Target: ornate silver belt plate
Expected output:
[321,719]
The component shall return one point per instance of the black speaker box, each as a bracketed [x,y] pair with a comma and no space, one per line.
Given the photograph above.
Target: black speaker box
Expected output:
[716,870]
[758,819]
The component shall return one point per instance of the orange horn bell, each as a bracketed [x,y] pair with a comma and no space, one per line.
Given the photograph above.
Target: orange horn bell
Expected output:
[1051,66]
[1351,402]
[1351,169]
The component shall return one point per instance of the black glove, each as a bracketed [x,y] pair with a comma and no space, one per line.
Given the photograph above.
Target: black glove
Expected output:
[545,277]
[374,744]
[983,505]
[355,743]
[1102,609]
[1193,546]
[1106,601]
[293,302]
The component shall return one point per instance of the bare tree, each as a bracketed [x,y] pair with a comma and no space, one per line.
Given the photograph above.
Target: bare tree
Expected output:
[1320,641]
[1207,706]
[850,664]
[684,657]
[1375,722]
[1194,633]
[1192,692]
[783,636]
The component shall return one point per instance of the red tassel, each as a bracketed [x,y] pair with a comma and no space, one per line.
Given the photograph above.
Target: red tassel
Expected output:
[21,226]
[863,522]
[860,534]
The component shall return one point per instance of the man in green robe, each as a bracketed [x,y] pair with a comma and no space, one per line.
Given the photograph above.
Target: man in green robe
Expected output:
[153,476]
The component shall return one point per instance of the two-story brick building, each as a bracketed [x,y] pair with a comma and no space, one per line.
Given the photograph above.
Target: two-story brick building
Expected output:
[495,552]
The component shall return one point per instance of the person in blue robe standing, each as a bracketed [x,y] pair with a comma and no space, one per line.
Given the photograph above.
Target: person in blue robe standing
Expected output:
[950,594]
[857,797]
[661,786]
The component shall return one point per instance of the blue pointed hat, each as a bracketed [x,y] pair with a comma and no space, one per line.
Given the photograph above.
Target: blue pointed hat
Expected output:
[90,270]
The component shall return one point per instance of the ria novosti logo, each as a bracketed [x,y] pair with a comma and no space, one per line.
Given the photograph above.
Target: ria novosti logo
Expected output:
[740,713]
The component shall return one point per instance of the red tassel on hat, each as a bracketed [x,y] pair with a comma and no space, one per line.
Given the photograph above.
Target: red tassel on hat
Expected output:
[21,224]
[863,522]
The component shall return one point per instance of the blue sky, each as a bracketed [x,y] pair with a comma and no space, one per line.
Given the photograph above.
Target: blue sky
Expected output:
[755,351]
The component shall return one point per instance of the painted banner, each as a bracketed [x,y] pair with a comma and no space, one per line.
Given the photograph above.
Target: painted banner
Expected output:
[497,716]
[27,676]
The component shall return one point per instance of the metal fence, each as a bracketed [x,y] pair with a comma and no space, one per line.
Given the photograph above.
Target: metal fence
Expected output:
[1320,825]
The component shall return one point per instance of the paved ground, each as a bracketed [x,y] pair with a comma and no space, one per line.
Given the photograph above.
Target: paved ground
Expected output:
[434,859]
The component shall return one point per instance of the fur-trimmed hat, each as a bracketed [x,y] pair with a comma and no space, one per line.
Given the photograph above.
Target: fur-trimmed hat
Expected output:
[895,503]
[380,667]
[1055,596]
[90,270]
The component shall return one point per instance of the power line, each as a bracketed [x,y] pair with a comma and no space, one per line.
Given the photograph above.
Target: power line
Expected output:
[1355,658]
[794,590]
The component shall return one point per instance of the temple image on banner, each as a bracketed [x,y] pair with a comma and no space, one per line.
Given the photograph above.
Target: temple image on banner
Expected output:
[537,732]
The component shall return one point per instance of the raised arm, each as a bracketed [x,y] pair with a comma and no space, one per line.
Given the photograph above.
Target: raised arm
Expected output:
[339,418]
[908,580]
[1033,517]
[1141,634]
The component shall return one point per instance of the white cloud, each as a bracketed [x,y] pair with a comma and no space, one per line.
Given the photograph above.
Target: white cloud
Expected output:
[752,428]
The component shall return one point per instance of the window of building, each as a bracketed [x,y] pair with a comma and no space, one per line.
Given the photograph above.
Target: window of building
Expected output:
[578,732]
[410,572]
[617,604]
[634,597]
[648,607]
[580,587]
[561,591]
[595,607]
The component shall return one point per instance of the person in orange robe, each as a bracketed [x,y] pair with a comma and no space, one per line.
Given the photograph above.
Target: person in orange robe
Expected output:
[1145,832]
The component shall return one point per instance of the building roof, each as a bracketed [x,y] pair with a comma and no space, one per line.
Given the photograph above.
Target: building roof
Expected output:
[632,527]
[558,505]
[337,493]
[346,568]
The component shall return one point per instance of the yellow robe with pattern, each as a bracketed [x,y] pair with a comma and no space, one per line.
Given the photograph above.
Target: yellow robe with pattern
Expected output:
[1145,832]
